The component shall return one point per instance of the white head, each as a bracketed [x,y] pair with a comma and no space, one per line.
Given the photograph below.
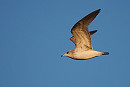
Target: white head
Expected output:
[68,54]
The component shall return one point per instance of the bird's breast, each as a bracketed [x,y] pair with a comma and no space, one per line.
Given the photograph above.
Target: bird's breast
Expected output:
[86,54]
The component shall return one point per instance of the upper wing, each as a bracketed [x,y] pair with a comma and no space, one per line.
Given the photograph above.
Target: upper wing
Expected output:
[74,40]
[81,33]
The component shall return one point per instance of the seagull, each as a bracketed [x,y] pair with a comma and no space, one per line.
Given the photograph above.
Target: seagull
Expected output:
[82,39]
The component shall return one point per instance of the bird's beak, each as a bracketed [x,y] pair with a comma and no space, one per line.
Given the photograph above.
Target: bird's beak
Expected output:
[62,55]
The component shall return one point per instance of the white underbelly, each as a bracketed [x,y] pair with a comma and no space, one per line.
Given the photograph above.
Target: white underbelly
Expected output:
[87,54]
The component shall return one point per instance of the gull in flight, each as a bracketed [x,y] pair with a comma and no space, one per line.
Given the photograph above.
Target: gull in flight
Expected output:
[82,39]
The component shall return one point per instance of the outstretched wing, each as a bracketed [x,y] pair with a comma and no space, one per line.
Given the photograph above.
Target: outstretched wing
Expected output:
[81,33]
[74,40]
[93,32]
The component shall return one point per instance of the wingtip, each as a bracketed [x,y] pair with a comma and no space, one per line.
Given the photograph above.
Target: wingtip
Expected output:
[92,32]
[98,10]
[95,31]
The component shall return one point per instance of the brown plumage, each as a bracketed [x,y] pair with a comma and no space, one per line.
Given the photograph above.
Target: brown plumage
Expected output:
[74,40]
[82,39]
[81,33]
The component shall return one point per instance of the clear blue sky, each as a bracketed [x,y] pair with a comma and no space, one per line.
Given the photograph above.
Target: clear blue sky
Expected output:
[35,33]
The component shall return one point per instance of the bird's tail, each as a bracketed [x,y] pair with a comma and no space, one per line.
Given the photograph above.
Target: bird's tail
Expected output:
[105,53]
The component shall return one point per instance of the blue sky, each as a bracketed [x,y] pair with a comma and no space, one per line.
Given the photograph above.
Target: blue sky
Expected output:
[35,33]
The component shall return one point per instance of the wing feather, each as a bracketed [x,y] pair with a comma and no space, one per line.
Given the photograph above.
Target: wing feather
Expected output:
[81,33]
[74,40]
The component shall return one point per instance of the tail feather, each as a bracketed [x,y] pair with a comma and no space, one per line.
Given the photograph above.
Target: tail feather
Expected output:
[105,53]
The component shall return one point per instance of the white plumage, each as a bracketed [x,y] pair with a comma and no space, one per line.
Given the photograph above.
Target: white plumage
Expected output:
[82,39]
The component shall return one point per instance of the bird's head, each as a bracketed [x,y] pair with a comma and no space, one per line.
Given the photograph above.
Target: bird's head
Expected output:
[68,54]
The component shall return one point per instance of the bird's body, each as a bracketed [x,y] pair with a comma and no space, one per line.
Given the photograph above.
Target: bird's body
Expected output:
[86,54]
[82,39]
[82,55]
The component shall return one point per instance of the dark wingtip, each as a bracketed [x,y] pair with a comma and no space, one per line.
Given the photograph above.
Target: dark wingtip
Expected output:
[99,9]
[95,30]
[105,53]
[92,32]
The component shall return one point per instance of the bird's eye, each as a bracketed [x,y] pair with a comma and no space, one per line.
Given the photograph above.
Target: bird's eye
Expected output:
[67,52]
